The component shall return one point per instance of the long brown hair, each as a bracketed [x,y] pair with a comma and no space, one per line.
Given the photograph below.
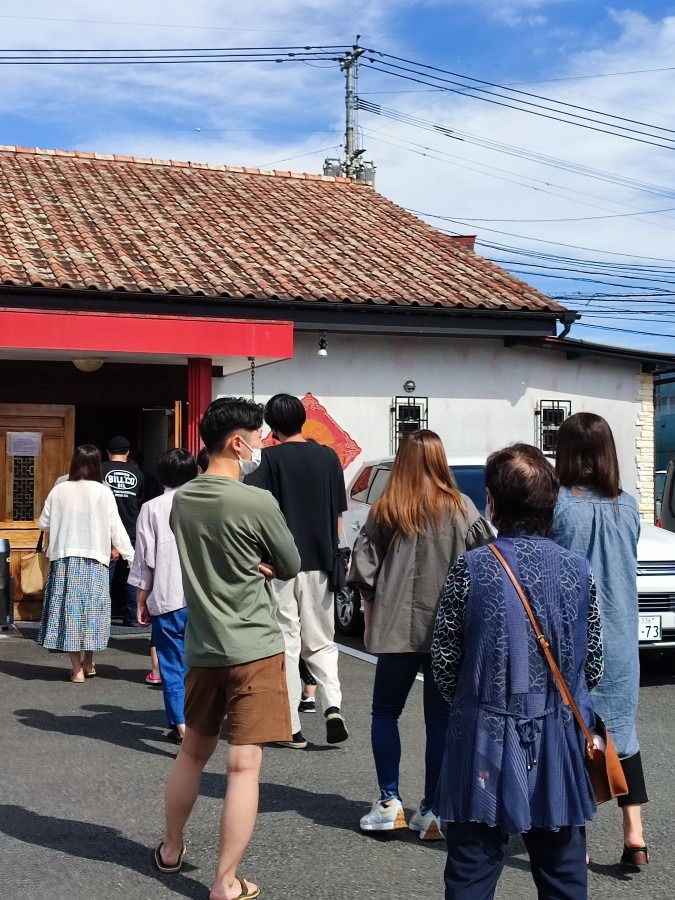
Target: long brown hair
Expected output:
[85,464]
[421,489]
[586,454]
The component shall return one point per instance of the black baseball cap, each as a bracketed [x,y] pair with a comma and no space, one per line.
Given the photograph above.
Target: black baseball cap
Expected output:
[118,444]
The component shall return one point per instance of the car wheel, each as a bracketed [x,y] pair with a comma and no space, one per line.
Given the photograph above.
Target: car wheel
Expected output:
[348,615]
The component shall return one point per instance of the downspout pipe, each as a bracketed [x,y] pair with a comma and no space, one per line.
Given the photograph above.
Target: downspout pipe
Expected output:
[568,318]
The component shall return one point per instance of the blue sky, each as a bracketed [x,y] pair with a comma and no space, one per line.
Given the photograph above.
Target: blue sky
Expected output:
[553,222]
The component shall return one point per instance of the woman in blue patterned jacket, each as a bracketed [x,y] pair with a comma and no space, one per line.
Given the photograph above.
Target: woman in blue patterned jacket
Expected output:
[514,758]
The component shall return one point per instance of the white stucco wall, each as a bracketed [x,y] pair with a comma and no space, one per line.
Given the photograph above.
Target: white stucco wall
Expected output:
[482,396]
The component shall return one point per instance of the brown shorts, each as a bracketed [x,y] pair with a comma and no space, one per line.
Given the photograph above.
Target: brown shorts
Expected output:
[253,696]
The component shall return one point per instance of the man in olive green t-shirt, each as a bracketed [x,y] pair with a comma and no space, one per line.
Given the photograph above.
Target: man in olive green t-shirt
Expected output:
[232,539]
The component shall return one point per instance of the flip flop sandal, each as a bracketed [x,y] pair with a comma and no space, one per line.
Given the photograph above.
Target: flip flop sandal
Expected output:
[164,867]
[74,680]
[634,856]
[245,893]
[91,674]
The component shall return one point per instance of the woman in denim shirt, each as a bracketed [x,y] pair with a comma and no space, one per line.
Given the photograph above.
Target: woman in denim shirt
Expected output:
[596,518]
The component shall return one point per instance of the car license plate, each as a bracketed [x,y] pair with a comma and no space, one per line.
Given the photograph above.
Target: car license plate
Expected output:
[650,628]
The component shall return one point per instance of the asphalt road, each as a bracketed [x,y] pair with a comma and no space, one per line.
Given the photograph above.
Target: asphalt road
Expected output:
[82,770]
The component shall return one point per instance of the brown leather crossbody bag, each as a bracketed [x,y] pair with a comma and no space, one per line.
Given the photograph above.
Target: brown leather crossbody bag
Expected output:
[603,765]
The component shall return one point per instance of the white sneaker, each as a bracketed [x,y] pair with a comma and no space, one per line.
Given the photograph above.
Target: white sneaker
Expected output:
[428,825]
[386,815]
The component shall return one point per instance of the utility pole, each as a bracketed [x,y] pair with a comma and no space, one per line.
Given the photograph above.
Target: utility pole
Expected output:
[350,66]
[351,166]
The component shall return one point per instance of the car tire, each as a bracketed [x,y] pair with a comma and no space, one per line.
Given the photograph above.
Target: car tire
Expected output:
[348,615]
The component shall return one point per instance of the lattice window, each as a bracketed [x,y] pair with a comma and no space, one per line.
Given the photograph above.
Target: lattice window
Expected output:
[407,414]
[548,418]
[23,489]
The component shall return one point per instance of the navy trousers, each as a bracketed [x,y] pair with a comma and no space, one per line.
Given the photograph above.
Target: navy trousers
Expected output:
[476,854]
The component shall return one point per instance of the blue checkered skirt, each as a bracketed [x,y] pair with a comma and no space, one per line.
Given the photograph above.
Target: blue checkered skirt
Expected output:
[76,611]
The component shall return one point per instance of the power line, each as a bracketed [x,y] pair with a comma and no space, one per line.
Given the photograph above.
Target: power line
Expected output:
[548,100]
[469,91]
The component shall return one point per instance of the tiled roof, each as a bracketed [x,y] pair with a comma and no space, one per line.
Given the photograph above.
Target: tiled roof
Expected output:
[91,221]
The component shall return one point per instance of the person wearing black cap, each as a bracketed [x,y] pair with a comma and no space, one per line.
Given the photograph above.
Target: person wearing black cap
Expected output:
[127,484]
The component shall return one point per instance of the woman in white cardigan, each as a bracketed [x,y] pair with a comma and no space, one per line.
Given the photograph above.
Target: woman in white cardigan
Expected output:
[82,527]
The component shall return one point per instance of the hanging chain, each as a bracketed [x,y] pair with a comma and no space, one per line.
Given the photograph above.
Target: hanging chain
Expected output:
[252,360]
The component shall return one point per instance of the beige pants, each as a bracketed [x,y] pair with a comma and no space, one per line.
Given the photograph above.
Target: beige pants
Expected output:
[306,618]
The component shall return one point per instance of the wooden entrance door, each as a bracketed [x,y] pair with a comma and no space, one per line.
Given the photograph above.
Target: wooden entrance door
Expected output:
[25,480]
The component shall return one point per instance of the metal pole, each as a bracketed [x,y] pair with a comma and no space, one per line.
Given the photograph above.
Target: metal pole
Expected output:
[351,69]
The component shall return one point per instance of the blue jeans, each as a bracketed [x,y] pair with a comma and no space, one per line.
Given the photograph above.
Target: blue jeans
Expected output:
[168,634]
[394,677]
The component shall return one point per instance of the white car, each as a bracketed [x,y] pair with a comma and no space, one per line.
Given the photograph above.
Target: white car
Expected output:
[656,553]
[363,491]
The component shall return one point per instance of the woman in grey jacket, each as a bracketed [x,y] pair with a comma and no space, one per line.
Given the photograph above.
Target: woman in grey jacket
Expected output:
[415,531]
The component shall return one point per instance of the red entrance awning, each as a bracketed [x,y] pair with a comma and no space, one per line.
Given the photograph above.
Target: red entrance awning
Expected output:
[121,333]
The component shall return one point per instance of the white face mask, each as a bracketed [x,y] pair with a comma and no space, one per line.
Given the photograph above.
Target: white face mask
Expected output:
[247,466]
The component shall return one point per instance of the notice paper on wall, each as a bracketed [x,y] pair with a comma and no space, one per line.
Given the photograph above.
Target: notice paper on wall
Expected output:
[24,443]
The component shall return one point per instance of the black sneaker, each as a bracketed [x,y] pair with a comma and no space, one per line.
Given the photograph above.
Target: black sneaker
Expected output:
[307,705]
[298,742]
[336,730]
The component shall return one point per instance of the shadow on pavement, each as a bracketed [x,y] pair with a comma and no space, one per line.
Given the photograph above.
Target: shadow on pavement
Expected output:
[60,672]
[114,724]
[330,810]
[612,871]
[90,841]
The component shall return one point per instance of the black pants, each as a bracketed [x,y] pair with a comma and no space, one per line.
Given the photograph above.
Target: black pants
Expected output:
[476,855]
[635,779]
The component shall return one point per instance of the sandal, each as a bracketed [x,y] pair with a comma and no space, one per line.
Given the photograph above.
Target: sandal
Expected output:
[174,736]
[634,856]
[91,674]
[164,867]
[245,893]
[76,679]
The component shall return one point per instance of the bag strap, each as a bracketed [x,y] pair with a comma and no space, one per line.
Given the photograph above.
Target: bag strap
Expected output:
[39,543]
[565,692]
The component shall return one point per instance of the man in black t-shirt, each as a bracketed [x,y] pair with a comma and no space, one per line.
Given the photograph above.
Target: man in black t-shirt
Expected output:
[307,481]
[127,484]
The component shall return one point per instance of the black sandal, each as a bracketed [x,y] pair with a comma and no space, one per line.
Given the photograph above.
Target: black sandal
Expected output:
[634,856]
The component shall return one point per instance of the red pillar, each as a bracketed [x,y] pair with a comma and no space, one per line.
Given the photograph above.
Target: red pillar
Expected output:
[199,397]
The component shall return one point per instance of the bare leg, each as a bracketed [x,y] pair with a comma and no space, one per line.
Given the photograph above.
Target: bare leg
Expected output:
[240,809]
[182,789]
[76,666]
[154,662]
[633,835]
[88,662]
[308,690]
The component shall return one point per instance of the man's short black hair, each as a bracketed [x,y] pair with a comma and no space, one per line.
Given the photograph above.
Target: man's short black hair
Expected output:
[285,414]
[225,416]
[176,467]
[524,489]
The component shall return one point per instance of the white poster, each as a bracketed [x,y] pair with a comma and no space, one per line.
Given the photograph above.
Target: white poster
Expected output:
[24,443]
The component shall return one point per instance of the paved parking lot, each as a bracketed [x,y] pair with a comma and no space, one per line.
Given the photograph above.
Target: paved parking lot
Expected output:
[83,769]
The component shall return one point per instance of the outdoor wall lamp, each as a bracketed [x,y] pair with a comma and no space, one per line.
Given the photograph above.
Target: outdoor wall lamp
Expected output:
[323,345]
[88,363]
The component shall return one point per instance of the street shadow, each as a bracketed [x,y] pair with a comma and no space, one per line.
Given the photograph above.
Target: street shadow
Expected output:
[88,840]
[118,726]
[329,810]
[613,870]
[29,671]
